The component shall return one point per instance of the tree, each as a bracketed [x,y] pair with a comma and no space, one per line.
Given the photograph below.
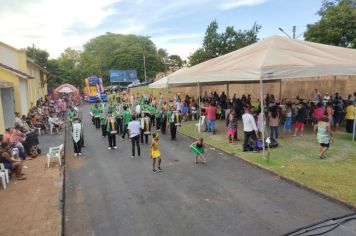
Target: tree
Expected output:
[216,44]
[337,25]
[39,55]
[175,62]
[212,41]
[198,56]
[126,52]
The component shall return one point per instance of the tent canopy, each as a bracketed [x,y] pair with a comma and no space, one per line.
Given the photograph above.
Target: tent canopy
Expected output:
[162,83]
[274,58]
[65,90]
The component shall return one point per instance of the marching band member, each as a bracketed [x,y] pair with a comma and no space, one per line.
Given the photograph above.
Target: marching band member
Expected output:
[172,125]
[71,115]
[102,124]
[92,107]
[110,123]
[126,115]
[158,116]
[96,114]
[76,135]
[145,126]
[118,115]
[164,121]
[111,107]
[102,105]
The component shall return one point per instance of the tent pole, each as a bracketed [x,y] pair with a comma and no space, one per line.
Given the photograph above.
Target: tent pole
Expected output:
[353,131]
[280,91]
[334,85]
[263,117]
[199,100]
[228,90]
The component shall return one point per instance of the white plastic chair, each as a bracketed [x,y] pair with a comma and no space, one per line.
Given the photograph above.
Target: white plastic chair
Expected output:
[6,171]
[200,123]
[3,179]
[39,131]
[54,152]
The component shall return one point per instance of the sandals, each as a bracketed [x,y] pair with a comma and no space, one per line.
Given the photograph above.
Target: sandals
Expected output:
[20,178]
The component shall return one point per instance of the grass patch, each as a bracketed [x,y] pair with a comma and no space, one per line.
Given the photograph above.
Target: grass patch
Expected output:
[297,158]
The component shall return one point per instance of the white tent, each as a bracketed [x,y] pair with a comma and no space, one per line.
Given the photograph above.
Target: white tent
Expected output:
[162,83]
[274,58]
[65,90]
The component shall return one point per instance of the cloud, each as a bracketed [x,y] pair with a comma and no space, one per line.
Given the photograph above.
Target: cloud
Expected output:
[227,5]
[55,25]
[47,23]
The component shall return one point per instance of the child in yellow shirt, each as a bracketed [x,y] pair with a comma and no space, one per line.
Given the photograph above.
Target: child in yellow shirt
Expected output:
[155,153]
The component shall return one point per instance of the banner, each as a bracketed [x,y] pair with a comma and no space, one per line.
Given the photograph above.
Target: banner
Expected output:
[122,76]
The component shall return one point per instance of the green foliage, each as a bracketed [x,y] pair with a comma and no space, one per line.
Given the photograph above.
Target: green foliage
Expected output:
[175,62]
[337,25]
[126,52]
[39,55]
[216,44]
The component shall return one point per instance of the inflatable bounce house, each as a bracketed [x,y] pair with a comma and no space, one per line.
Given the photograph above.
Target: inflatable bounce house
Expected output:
[95,89]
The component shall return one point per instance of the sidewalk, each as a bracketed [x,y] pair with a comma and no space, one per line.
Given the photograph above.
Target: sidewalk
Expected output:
[32,206]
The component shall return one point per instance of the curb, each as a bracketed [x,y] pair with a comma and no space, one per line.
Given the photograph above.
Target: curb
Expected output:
[287,179]
[64,179]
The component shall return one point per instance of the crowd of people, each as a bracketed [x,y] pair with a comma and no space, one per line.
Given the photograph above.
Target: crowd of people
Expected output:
[325,114]
[20,142]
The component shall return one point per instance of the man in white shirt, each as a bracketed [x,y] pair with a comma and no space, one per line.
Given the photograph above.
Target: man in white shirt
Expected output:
[250,129]
[138,109]
[134,129]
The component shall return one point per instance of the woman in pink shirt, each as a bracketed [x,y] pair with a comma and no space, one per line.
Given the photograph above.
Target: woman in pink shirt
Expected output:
[273,121]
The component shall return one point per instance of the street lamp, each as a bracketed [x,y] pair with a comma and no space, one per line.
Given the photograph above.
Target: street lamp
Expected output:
[294,31]
[284,33]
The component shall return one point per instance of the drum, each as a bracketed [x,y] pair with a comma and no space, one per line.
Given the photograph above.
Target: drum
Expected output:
[112,124]
[177,118]
[146,125]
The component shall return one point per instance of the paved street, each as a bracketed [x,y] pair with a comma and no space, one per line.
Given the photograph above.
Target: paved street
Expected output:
[108,193]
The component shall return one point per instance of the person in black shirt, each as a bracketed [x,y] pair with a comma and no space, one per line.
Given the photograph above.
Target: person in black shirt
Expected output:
[300,119]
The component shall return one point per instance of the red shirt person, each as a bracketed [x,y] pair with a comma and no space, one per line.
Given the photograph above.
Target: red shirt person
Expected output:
[211,116]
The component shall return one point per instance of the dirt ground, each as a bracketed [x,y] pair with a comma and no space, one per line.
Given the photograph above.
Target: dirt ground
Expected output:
[32,206]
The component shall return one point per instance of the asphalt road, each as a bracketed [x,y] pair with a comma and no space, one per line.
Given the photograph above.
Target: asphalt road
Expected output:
[108,193]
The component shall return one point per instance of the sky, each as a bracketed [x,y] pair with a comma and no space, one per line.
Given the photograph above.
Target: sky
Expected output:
[175,25]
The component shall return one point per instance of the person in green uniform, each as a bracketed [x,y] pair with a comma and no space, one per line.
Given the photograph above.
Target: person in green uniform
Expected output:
[111,107]
[158,115]
[92,113]
[102,105]
[96,113]
[102,124]
[110,123]
[172,125]
[126,115]
[164,121]
[71,115]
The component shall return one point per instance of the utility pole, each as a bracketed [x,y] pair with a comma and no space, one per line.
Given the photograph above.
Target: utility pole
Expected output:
[33,51]
[144,67]
[294,29]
